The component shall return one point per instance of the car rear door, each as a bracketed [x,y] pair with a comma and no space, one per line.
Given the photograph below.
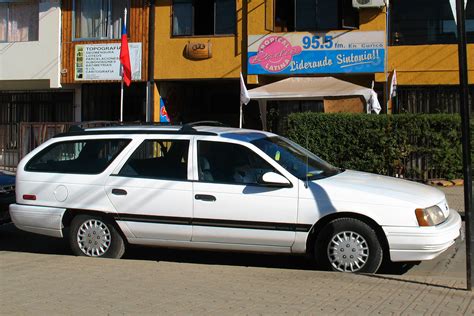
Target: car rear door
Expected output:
[230,206]
[151,191]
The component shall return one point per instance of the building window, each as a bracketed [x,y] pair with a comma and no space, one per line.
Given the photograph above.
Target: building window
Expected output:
[426,22]
[314,15]
[19,21]
[204,17]
[99,19]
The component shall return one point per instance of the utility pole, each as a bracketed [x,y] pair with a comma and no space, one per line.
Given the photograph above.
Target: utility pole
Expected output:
[466,139]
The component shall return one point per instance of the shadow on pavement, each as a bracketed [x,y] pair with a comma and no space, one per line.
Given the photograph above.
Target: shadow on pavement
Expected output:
[388,278]
[15,240]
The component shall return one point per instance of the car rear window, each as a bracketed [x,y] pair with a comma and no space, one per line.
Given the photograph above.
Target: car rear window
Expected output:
[78,157]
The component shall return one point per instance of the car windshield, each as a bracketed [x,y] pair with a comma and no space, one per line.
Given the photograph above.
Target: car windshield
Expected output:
[299,161]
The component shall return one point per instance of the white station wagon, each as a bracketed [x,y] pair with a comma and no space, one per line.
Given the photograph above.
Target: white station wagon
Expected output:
[223,188]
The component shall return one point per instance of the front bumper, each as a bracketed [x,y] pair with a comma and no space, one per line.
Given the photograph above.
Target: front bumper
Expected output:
[422,243]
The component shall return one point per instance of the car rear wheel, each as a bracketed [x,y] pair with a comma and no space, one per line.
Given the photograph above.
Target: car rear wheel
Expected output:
[93,236]
[348,245]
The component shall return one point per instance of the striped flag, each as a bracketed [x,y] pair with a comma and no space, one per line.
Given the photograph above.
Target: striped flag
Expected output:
[125,55]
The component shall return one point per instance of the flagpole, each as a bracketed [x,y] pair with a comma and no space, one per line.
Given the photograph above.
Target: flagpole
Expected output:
[121,95]
[122,72]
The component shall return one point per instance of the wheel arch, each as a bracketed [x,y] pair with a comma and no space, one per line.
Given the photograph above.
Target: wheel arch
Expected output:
[71,213]
[318,226]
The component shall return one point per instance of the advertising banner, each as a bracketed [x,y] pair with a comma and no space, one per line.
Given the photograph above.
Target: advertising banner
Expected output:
[317,53]
[102,61]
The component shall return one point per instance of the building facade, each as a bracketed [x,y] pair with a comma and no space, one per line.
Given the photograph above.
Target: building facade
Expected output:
[30,84]
[199,54]
[90,38]
[423,51]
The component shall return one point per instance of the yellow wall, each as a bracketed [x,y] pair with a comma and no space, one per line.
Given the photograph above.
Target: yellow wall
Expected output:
[428,64]
[170,62]
[415,65]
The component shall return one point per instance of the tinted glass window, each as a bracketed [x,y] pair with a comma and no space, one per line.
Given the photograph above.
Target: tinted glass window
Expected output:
[203,17]
[225,17]
[78,157]
[230,163]
[182,17]
[159,159]
[314,15]
[427,22]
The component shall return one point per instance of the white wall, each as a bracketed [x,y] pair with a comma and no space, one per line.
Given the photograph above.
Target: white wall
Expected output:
[34,61]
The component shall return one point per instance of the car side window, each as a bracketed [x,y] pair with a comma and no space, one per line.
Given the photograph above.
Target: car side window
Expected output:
[77,157]
[158,159]
[230,163]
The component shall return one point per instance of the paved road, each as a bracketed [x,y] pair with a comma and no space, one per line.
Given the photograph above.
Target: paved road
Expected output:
[38,275]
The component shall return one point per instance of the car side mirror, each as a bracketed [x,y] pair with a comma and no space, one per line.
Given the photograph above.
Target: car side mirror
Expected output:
[274,179]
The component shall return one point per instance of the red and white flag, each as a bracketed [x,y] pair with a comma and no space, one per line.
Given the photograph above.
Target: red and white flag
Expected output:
[125,56]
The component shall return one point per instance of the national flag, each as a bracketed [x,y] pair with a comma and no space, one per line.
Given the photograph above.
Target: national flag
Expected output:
[164,118]
[125,57]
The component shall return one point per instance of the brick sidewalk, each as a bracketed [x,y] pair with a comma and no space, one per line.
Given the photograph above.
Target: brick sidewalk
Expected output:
[61,284]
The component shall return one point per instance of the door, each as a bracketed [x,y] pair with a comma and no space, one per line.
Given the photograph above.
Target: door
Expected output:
[230,206]
[151,192]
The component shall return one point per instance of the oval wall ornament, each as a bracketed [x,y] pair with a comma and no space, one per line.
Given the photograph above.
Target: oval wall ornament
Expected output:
[198,50]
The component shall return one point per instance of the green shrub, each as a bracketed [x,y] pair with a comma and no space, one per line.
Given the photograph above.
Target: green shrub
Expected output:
[419,146]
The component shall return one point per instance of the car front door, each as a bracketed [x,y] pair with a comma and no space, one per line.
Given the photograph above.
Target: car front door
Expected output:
[151,191]
[230,204]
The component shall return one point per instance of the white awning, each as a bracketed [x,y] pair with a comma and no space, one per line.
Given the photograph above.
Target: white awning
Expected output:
[314,88]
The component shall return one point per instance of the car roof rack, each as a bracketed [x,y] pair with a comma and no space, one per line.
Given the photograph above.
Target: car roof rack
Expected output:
[189,127]
[78,129]
[206,123]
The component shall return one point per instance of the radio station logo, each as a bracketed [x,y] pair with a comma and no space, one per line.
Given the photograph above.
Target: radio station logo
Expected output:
[275,53]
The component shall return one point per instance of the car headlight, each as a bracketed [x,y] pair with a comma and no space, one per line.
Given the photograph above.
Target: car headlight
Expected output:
[430,216]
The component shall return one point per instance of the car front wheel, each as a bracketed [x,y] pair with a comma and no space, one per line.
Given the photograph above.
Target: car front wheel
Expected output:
[93,236]
[348,245]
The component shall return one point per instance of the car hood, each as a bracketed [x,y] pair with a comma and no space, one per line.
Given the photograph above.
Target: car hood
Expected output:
[6,179]
[373,188]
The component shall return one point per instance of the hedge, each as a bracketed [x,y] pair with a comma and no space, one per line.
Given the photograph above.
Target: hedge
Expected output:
[417,146]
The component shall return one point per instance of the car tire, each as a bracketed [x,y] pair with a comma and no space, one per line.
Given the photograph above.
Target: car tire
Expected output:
[94,236]
[348,245]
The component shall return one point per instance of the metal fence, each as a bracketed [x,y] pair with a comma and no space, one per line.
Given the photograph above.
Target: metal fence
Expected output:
[17,140]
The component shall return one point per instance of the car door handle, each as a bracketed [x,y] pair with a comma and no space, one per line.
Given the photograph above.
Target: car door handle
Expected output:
[205,197]
[119,192]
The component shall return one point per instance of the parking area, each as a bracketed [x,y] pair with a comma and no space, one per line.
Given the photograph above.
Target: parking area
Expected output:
[38,275]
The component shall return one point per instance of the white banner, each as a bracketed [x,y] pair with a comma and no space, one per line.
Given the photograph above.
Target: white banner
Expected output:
[102,61]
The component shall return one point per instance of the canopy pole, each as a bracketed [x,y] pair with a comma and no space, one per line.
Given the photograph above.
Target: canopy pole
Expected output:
[241,115]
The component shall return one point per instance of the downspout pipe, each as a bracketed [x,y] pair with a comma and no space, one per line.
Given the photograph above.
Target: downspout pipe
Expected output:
[151,62]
